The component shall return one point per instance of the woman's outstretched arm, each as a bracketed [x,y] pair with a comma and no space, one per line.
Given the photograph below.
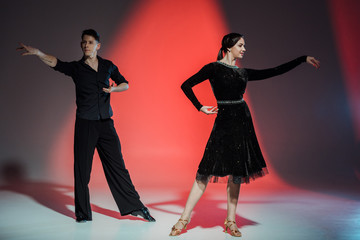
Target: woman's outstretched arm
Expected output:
[283,68]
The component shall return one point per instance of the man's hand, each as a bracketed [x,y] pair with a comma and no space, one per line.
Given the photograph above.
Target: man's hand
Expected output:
[109,89]
[119,88]
[28,50]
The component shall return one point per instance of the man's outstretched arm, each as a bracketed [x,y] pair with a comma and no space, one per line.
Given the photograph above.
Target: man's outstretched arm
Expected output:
[47,59]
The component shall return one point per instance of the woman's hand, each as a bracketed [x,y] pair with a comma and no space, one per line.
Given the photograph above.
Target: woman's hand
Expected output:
[209,109]
[313,61]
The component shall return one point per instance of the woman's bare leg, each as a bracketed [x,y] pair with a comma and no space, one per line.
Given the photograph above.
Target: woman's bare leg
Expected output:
[233,191]
[196,192]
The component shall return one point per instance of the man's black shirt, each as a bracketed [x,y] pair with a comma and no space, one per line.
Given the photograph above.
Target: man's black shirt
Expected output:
[91,101]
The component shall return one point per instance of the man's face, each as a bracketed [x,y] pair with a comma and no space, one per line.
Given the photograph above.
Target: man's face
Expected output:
[89,46]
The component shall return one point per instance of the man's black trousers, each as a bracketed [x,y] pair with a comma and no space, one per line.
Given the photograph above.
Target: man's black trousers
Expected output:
[101,134]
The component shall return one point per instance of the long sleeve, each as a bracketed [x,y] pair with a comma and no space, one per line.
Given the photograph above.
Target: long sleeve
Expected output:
[271,72]
[197,78]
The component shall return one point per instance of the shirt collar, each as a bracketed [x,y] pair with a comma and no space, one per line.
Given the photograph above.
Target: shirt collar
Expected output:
[100,59]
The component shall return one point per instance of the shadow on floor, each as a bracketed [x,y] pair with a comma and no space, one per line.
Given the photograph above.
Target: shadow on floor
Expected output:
[54,196]
[207,213]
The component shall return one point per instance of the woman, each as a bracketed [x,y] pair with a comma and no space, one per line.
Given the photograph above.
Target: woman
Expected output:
[232,151]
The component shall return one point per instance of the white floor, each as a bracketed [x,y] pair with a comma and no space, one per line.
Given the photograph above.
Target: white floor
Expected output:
[45,211]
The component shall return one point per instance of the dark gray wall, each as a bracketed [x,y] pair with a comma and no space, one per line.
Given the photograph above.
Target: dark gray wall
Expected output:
[35,100]
[303,116]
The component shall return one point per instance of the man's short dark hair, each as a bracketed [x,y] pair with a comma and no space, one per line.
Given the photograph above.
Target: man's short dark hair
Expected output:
[91,32]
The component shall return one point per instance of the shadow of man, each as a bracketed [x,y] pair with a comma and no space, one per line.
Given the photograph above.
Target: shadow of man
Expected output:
[54,196]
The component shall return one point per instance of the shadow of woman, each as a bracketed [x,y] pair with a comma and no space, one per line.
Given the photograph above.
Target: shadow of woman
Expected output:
[207,213]
[54,196]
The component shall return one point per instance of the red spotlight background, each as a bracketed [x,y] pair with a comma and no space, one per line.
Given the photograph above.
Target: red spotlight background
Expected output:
[163,136]
[346,23]
[307,121]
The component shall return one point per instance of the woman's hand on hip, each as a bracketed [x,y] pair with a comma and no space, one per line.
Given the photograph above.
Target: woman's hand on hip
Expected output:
[209,109]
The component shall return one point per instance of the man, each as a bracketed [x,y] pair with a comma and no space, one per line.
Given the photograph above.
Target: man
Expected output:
[94,127]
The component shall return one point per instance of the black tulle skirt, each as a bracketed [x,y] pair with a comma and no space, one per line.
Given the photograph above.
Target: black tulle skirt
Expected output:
[232,152]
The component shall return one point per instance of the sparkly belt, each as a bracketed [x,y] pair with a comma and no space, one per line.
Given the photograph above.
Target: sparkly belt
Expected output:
[231,101]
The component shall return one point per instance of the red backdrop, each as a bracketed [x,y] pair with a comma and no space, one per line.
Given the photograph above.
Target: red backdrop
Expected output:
[162,134]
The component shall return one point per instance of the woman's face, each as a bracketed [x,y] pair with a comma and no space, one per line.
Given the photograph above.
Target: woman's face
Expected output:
[238,49]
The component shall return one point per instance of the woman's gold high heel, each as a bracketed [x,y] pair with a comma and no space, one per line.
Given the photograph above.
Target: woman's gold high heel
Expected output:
[233,232]
[176,231]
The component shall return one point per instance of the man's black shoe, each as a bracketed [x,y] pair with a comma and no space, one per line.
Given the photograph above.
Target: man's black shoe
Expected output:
[82,219]
[143,212]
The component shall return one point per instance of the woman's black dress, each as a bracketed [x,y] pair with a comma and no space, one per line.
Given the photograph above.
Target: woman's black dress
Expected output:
[232,149]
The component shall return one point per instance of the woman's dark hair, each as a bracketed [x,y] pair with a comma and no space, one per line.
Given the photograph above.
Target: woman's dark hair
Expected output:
[91,32]
[228,41]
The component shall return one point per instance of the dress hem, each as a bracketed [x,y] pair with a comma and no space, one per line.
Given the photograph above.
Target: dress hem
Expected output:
[235,179]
